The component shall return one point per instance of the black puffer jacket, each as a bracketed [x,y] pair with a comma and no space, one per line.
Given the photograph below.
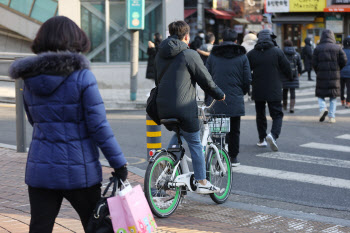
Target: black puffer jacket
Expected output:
[328,59]
[295,64]
[307,55]
[151,52]
[230,69]
[178,69]
[268,64]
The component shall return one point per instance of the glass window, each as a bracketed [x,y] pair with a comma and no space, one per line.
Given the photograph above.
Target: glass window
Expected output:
[22,6]
[44,9]
[5,2]
[93,24]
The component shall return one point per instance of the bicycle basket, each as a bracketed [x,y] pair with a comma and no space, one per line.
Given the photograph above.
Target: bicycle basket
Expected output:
[219,124]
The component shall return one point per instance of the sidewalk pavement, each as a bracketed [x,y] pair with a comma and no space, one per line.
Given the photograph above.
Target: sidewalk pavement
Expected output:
[193,216]
[119,99]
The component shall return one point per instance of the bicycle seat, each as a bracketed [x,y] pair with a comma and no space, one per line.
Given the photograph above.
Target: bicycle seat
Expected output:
[171,124]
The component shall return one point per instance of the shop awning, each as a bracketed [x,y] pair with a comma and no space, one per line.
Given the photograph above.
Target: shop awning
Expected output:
[219,14]
[241,20]
[189,12]
[294,19]
[337,8]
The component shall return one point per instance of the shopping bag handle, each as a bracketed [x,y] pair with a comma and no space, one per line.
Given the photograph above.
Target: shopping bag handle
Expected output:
[113,180]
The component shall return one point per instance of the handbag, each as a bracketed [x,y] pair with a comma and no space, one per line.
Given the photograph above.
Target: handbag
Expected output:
[130,211]
[151,107]
[100,220]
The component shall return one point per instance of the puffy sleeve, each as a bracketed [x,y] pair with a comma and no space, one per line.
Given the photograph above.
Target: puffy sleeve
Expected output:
[96,121]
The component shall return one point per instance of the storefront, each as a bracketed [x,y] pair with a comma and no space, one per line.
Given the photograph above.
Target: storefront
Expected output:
[338,19]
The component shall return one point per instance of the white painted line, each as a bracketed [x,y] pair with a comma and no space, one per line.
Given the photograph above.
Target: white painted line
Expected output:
[304,93]
[311,106]
[312,99]
[323,146]
[306,159]
[293,176]
[342,111]
[345,136]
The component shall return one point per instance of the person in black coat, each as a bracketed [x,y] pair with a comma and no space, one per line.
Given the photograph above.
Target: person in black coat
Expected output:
[268,63]
[178,69]
[306,55]
[328,59]
[151,52]
[290,85]
[230,69]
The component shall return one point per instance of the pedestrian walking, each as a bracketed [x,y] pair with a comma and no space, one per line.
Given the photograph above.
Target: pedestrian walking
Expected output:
[249,41]
[268,63]
[229,67]
[289,85]
[198,40]
[151,52]
[328,59]
[306,55]
[205,49]
[178,70]
[345,76]
[65,108]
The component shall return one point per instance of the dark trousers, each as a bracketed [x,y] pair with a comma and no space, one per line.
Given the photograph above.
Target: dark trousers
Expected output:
[233,137]
[46,203]
[276,114]
[308,73]
[292,93]
[345,82]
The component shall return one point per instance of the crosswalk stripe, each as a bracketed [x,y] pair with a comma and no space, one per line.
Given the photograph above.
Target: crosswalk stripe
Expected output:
[345,136]
[293,176]
[310,106]
[342,111]
[323,146]
[305,93]
[306,159]
[311,99]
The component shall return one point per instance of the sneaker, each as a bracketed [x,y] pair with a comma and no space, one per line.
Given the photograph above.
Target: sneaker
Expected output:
[347,105]
[207,188]
[235,162]
[323,115]
[272,142]
[262,143]
[331,120]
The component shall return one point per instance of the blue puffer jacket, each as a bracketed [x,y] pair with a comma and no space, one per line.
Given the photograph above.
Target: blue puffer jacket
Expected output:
[65,108]
[345,72]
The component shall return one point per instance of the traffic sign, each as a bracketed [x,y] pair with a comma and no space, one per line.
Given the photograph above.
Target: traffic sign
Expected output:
[135,14]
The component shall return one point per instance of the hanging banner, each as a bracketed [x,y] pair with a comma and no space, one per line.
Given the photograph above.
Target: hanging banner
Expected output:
[307,6]
[273,6]
[135,14]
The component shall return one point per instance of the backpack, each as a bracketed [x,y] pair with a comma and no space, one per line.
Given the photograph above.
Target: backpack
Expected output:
[293,61]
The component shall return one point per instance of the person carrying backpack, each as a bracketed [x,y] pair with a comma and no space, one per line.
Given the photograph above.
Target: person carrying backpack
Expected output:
[290,85]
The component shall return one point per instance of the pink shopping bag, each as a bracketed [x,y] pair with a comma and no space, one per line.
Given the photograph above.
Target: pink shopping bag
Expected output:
[130,213]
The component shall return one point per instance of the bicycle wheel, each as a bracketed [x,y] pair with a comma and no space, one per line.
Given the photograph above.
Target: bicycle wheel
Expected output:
[162,199]
[217,177]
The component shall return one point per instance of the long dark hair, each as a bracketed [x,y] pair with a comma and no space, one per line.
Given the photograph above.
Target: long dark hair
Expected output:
[59,33]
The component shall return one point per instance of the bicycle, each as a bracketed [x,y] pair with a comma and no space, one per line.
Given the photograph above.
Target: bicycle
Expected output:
[168,177]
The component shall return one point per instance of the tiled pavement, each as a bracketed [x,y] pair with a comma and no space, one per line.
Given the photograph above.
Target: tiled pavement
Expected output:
[190,217]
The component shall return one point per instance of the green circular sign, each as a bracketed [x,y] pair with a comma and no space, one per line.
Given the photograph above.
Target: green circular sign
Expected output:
[135,15]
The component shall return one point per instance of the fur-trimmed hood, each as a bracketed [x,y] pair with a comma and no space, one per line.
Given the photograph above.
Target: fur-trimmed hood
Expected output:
[228,49]
[43,73]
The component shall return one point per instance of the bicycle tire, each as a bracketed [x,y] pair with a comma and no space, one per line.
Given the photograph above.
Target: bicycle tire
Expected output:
[219,179]
[162,200]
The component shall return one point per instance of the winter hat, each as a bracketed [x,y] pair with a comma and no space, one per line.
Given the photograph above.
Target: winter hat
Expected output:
[266,34]
[250,36]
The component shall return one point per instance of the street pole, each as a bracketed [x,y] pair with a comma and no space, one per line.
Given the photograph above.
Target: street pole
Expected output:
[134,63]
[107,18]
[20,117]
[200,14]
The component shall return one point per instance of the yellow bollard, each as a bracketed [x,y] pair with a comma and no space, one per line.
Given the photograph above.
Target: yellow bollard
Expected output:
[154,136]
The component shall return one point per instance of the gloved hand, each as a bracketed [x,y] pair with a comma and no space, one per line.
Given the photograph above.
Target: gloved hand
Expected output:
[121,173]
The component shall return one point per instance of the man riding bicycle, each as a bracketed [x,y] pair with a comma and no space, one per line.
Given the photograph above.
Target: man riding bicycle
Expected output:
[178,69]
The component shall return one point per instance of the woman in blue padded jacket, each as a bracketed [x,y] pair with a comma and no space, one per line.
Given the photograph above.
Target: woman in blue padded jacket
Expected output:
[65,108]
